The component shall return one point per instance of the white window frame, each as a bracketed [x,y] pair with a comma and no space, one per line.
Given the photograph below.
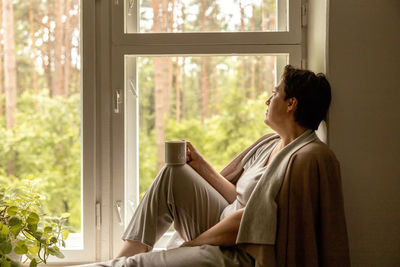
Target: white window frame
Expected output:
[89,144]
[107,73]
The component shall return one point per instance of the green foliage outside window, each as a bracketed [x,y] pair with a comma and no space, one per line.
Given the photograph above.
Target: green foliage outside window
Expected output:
[45,144]
[219,139]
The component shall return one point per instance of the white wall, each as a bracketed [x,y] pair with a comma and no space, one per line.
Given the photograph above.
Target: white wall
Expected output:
[364,122]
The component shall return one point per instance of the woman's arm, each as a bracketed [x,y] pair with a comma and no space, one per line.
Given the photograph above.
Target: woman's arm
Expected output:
[202,167]
[223,233]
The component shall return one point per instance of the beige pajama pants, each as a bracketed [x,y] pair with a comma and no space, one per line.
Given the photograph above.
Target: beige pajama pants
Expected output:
[180,195]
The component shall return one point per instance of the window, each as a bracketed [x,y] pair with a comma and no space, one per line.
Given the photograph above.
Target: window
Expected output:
[200,70]
[177,50]
[44,130]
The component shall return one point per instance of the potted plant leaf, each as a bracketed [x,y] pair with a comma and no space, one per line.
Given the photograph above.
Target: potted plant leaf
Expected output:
[26,233]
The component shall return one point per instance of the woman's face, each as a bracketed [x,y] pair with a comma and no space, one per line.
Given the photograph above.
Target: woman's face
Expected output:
[277,107]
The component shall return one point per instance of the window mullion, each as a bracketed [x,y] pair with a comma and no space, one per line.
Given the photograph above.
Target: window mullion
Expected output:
[206,49]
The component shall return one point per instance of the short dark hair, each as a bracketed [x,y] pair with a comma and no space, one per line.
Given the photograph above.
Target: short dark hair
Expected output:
[313,94]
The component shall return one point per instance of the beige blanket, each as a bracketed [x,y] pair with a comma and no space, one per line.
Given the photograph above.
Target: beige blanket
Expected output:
[261,209]
[310,228]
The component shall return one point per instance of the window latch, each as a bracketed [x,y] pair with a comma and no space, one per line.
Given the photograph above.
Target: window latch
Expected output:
[304,11]
[118,205]
[98,215]
[133,88]
[117,98]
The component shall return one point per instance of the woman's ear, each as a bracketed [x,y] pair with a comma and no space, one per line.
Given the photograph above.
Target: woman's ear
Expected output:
[292,104]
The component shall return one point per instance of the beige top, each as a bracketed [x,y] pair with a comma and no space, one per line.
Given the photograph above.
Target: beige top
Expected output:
[254,168]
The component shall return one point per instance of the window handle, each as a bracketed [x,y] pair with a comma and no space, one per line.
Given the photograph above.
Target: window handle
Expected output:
[117,100]
[118,205]
[131,5]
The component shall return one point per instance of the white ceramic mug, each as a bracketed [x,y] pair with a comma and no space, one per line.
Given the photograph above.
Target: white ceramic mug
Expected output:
[175,152]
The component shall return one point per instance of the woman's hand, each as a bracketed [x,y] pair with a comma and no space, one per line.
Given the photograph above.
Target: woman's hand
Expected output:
[193,157]
[189,244]
[223,233]
[205,170]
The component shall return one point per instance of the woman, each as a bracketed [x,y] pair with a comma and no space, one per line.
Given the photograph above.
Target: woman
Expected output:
[250,214]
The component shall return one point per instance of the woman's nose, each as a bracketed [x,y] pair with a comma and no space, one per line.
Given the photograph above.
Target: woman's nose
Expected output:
[268,101]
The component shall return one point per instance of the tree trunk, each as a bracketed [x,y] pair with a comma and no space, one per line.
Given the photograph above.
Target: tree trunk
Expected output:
[10,71]
[178,91]
[183,107]
[33,51]
[264,18]
[45,50]
[169,17]
[161,83]
[260,74]
[171,23]
[204,79]
[216,92]
[243,60]
[183,90]
[1,61]
[252,60]
[58,88]
[204,87]
[252,78]
[76,71]
[10,77]
[269,78]
[1,78]
[68,31]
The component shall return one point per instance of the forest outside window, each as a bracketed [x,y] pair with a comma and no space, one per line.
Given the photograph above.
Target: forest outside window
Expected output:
[206,16]
[41,119]
[40,102]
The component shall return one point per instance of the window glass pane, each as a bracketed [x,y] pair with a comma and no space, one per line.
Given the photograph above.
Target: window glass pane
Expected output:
[216,102]
[206,15]
[40,115]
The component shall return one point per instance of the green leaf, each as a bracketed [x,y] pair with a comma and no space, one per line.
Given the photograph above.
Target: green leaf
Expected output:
[33,218]
[64,234]
[5,247]
[16,229]
[15,264]
[33,249]
[33,263]
[11,211]
[14,221]
[65,215]
[56,252]
[21,249]
[48,229]
[38,235]
[4,229]
[53,240]
[32,227]
[5,264]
